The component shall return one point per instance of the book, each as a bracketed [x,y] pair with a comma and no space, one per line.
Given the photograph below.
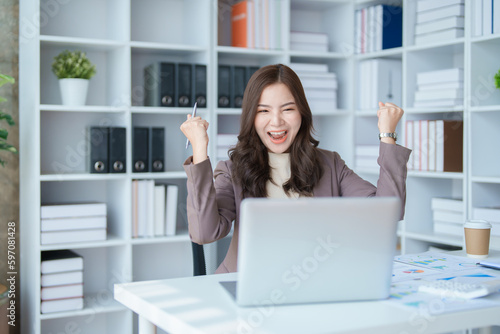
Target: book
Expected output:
[57,261]
[171,209]
[431,155]
[73,223]
[48,211]
[60,305]
[409,142]
[135,208]
[309,47]
[159,209]
[306,67]
[442,24]
[449,144]
[423,145]
[447,204]
[390,22]
[62,291]
[440,76]
[490,214]
[242,24]
[448,216]
[441,85]
[439,94]
[439,36]
[62,278]
[448,228]
[440,13]
[308,37]
[438,103]
[59,237]
[423,5]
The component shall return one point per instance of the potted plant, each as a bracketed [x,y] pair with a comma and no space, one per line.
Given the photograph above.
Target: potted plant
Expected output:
[74,70]
[497,79]
[4,146]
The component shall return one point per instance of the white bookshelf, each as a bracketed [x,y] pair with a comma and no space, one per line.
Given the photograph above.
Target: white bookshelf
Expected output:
[122,37]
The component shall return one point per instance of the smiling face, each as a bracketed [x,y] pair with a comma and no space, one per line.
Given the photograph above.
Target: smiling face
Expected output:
[278,118]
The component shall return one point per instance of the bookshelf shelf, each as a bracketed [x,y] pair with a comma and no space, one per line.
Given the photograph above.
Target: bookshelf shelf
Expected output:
[122,37]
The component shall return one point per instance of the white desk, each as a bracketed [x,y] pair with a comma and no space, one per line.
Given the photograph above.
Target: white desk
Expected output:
[201,305]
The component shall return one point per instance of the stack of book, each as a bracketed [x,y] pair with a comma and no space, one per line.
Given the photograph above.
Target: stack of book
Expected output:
[366,156]
[257,24]
[379,81]
[440,88]
[436,145]
[378,28]
[320,86]
[308,41]
[486,17]
[439,20]
[79,222]
[448,216]
[225,141]
[491,215]
[61,281]
[154,209]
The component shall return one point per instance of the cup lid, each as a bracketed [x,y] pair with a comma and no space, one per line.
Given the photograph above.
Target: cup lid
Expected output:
[477,223]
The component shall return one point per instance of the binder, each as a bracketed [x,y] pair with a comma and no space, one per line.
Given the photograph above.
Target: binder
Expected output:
[99,149]
[250,71]
[159,85]
[238,84]
[224,86]
[157,145]
[200,85]
[117,150]
[140,153]
[184,86]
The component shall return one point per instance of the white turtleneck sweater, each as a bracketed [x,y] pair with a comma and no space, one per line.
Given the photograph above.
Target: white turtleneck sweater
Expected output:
[280,173]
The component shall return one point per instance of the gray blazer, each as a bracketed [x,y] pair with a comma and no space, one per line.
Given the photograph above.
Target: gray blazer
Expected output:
[212,206]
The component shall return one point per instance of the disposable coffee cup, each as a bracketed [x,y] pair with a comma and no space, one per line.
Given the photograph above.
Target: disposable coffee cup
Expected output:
[477,238]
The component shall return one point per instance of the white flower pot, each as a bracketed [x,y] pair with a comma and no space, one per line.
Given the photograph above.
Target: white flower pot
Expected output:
[73,91]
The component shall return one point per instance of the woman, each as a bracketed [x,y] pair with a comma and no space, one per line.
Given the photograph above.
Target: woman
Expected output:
[276,156]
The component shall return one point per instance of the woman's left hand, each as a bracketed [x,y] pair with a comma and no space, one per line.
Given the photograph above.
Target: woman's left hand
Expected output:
[389,115]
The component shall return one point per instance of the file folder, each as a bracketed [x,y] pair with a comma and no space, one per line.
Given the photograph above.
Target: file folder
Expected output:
[99,149]
[239,84]
[140,152]
[157,145]
[159,85]
[117,150]
[224,86]
[184,85]
[200,85]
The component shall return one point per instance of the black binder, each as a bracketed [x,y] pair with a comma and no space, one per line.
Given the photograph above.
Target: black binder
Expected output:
[159,85]
[140,152]
[250,71]
[157,145]
[238,84]
[224,86]
[99,149]
[200,85]
[184,85]
[117,150]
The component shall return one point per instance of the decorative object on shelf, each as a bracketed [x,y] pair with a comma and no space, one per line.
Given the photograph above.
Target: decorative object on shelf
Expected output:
[497,79]
[4,146]
[74,70]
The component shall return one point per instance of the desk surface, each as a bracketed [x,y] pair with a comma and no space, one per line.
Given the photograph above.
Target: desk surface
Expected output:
[201,305]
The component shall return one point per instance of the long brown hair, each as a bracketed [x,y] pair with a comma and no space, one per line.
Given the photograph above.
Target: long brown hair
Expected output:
[250,157]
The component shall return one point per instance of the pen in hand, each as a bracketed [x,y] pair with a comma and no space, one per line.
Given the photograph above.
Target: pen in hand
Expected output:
[193,115]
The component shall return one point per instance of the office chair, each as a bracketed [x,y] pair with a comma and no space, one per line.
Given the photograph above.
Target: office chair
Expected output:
[199,266]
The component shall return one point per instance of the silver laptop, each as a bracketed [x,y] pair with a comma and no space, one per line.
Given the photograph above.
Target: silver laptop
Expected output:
[315,250]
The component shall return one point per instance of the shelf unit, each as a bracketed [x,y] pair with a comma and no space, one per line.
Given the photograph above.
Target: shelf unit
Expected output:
[122,37]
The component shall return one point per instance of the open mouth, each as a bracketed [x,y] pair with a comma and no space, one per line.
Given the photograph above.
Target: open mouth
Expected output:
[278,137]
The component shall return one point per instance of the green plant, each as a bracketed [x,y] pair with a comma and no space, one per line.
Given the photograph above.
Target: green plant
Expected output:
[4,146]
[73,64]
[497,79]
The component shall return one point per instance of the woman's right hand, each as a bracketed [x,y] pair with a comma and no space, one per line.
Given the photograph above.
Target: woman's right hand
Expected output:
[195,129]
